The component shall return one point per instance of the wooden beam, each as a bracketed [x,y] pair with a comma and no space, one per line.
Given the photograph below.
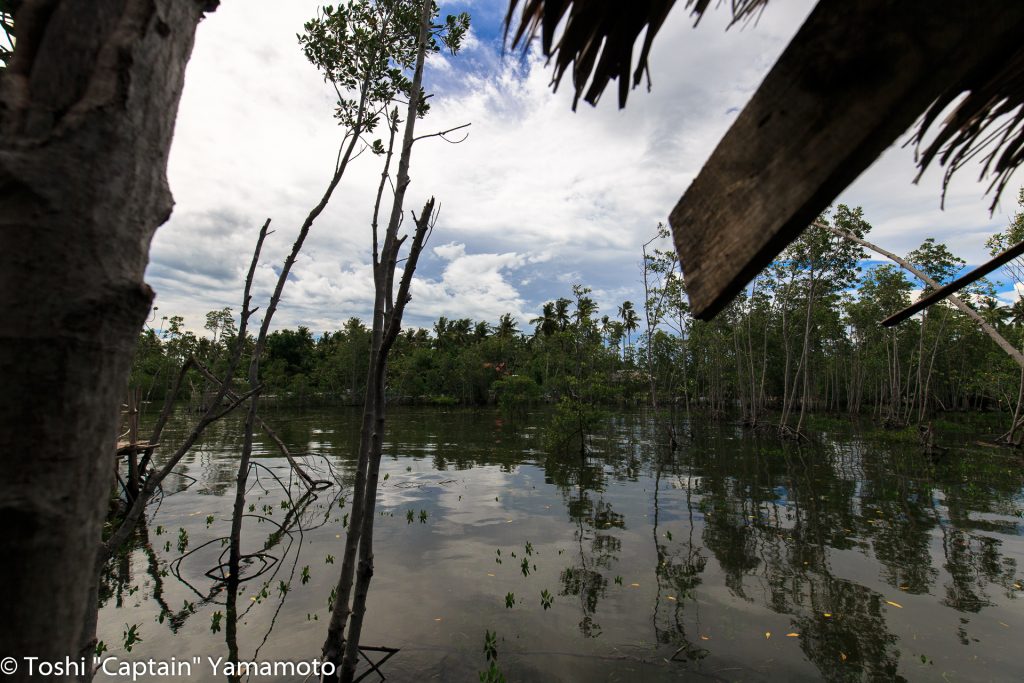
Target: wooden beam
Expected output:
[956,285]
[856,76]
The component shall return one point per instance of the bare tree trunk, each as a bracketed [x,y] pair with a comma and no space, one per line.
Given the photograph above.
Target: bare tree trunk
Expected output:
[653,320]
[1010,435]
[785,372]
[805,357]
[388,312]
[87,111]
[754,402]
[924,404]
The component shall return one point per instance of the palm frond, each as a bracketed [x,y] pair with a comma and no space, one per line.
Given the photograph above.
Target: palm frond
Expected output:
[988,123]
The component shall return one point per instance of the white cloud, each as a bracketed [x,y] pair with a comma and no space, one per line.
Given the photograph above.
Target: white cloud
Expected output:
[536,198]
[471,285]
[450,251]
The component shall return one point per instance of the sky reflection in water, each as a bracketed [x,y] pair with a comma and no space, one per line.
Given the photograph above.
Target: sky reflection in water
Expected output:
[734,558]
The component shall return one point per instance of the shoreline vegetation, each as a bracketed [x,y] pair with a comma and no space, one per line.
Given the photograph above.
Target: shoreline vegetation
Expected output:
[802,339]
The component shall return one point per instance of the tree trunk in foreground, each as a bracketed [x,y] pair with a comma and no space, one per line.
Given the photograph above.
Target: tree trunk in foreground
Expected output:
[87,110]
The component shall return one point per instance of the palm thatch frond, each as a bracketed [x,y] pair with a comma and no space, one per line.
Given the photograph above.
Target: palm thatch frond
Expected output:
[988,122]
[599,35]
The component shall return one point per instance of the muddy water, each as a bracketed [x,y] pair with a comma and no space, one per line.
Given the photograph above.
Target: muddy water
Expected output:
[733,558]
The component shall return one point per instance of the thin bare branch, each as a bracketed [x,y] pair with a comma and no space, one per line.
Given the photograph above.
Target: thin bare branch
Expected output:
[310,483]
[443,133]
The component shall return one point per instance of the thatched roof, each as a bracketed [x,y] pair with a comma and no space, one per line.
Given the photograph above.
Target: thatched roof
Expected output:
[856,76]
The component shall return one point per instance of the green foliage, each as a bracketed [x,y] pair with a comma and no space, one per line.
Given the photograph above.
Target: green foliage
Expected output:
[516,394]
[936,261]
[491,674]
[805,332]
[365,49]
[130,637]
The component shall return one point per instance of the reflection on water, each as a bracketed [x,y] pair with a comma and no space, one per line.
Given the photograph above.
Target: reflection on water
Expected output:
[730,558]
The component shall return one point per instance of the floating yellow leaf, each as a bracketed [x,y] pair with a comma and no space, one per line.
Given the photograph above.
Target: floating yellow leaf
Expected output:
[792,635]
[767,635]
[490,574]
[635,585]
[826,614]
[703,637]
[672,598]
[894,604]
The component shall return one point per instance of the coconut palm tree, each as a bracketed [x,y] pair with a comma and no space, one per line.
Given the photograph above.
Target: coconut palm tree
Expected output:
[562,312]
[994,313]
[1017,313]
[630,322]
[507,326]
[546,323]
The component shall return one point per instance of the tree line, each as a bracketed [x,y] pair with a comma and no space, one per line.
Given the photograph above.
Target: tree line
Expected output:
[803,337]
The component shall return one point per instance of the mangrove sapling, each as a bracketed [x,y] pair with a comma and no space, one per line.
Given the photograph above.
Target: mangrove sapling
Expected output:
[362,74]
[364,46]
[424,224]
[659,267]
[360,114]
[407,19]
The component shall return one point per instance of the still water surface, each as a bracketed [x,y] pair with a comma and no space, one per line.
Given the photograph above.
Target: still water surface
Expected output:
[733,558]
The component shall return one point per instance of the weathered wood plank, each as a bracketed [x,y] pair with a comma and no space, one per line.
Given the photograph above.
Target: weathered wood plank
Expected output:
[856,76]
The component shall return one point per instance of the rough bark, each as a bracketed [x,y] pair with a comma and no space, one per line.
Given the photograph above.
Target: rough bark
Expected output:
[87,111]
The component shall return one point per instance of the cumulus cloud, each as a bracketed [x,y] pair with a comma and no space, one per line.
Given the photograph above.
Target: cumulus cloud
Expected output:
[471,285]
[536,198]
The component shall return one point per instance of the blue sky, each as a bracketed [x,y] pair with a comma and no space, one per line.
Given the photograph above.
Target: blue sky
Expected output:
[537,198]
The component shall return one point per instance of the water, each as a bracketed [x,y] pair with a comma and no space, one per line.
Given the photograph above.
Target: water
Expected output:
[734,558]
